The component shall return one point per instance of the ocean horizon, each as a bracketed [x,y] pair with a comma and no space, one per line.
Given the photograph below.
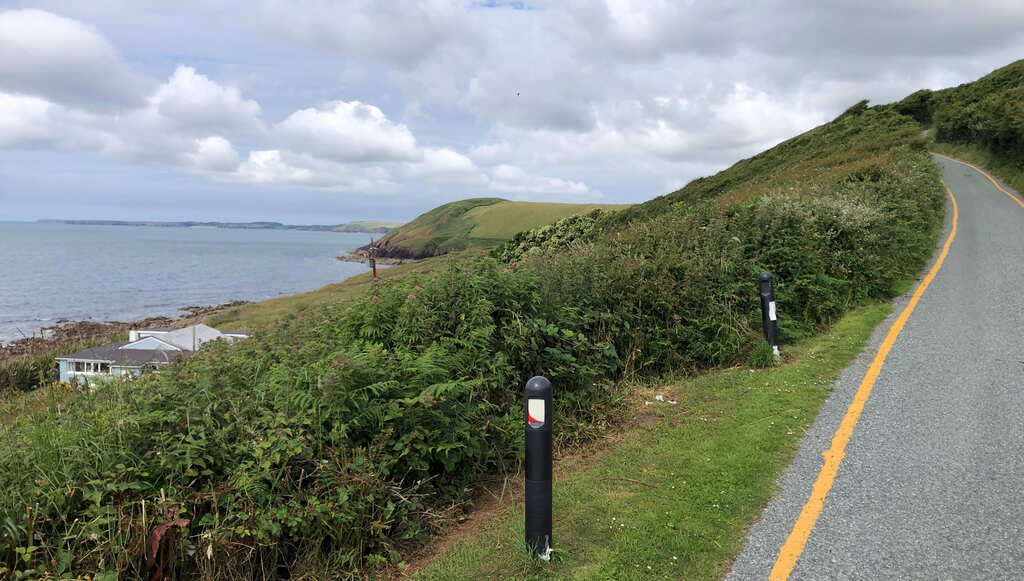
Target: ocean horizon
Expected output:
[51,272]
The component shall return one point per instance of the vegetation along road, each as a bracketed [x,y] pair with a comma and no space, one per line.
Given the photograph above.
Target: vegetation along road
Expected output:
[916,462]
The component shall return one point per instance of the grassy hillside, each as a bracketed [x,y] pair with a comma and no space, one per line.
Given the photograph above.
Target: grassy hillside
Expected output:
[254,316]
[854,146]
[477,223]
[982,120]
[345,434]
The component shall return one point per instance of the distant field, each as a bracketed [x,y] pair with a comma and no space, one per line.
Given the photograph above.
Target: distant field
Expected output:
[504,220]
[476,223]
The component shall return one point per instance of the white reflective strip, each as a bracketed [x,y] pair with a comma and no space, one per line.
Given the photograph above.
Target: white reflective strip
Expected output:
[771,311]
[535,409]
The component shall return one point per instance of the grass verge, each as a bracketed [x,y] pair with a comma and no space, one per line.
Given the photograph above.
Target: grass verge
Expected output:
[674,499]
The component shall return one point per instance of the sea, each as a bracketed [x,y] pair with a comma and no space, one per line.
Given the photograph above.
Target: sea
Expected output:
[51,272]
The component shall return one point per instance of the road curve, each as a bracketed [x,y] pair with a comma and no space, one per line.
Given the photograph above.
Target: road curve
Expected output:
[932,482]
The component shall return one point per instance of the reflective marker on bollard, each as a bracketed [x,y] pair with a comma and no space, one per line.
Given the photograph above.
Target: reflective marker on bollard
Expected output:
[768,314]
[538,467]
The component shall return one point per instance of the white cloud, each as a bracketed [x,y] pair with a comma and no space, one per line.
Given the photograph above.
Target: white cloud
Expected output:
[514,180]
[445,165]
[348,131]
[192,101]
[268,167]
[63,61]
[399,33]
[559,99]
[24,120]
[213,154]
[491,152]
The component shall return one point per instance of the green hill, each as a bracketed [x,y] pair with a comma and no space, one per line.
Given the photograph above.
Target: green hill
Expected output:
[858,145]
[474,223]
[982,121]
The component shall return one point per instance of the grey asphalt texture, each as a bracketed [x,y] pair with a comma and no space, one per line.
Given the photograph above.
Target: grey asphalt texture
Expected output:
[932,485]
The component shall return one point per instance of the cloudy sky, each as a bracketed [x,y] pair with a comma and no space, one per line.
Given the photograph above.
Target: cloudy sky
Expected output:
[321,111]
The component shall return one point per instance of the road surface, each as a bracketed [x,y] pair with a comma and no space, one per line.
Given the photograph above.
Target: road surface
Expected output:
[930,484]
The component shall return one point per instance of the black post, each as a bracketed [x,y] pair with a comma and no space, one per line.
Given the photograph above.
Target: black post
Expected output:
[538,467]
[768,316]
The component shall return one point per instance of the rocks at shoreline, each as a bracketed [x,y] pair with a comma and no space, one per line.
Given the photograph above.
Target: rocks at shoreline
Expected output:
[355,256]
[73,332]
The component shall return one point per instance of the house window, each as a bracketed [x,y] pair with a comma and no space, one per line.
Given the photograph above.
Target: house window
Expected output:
[90,367]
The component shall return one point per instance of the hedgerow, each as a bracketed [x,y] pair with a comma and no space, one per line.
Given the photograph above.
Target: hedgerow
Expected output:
[335,440]
[987,114]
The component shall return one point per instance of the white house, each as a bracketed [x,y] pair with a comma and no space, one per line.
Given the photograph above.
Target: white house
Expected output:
[144,349]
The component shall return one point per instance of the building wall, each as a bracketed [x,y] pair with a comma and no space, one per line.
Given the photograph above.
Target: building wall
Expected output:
[125,370]
[115,371]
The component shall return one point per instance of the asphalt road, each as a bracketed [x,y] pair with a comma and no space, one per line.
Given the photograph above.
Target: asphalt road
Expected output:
[932,483]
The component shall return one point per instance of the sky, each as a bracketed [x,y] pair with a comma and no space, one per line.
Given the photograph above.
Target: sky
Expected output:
[322,112]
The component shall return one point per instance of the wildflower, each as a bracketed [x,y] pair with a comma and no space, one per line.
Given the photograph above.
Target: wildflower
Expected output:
[417,287]
[411,297]
[348,309]
[376,298]
[505,270]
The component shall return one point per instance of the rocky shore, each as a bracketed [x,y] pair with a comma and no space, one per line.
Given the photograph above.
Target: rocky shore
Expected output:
[75,332]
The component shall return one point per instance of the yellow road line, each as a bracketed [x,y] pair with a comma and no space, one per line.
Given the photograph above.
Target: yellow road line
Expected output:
[797,540]
[982,172]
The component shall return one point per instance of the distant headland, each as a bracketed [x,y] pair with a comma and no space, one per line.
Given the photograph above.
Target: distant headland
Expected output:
[369,227]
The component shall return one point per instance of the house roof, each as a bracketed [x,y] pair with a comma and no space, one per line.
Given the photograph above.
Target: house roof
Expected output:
[191,337]
[123,353]
[112,353]
[133,345]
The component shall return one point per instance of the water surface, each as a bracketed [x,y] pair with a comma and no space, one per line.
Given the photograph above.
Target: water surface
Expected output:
[61,271]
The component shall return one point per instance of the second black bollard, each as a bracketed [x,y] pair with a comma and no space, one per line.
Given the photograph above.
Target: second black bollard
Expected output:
[538,467]
[769,318]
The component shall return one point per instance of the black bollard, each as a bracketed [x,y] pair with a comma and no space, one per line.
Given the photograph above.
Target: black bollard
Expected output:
[538,467]
[768,316]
